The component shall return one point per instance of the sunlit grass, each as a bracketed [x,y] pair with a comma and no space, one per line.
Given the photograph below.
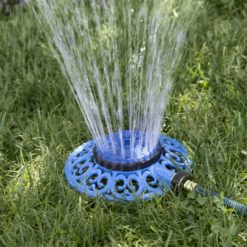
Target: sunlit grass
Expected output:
[40,124]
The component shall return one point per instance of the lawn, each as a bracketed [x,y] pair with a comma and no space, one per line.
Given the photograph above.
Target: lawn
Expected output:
[40,124]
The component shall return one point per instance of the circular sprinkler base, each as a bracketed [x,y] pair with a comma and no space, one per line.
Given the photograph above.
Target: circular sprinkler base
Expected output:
[87,176]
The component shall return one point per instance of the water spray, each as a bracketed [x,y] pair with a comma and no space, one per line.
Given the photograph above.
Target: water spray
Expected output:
[120,58]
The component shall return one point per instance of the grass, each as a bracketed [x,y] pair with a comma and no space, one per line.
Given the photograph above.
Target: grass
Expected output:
[40,125]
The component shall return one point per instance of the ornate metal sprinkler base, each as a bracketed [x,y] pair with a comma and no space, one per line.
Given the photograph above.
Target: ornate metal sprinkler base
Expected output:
[87,176]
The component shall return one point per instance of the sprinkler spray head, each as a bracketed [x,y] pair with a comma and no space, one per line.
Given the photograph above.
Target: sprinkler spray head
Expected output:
[127,151]
[136,165]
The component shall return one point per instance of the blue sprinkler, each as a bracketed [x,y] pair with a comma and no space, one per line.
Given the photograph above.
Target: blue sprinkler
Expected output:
[141,175]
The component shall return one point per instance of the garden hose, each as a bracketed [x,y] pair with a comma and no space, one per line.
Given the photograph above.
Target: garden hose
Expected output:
[182,181]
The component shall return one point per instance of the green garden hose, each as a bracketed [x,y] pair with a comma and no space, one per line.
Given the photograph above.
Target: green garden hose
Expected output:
[238,207]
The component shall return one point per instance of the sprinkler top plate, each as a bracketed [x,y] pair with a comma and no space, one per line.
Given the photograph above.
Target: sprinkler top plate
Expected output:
[87,176]
[127,151]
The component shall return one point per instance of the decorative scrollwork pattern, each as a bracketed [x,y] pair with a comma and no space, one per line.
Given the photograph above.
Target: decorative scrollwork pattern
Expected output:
[86,176]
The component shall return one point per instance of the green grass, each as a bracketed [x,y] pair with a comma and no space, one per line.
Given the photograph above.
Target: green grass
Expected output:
[40,124]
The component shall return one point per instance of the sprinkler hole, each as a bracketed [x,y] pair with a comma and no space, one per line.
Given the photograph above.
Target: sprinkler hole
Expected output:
[78,155]
[94,176]
[133,185]
[84,170]
[79,181]
[151,181]
[104,181]
[173,157]
[91,179]
[119,186]
[170,167]
[119,183]
[176,156]
[78,172]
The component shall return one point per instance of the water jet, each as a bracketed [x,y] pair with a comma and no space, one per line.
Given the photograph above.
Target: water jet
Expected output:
[120,58]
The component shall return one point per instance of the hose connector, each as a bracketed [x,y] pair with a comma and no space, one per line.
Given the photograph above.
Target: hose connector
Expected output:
[182,181]
[179,180]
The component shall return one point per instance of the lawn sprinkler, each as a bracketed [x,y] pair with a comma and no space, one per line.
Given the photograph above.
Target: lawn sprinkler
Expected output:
[120,58]
[148,174]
